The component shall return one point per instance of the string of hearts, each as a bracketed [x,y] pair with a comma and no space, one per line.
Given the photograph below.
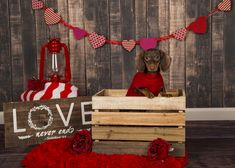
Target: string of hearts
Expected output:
[199,26]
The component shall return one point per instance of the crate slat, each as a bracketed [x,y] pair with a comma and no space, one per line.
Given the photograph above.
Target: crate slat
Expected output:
[139,148]
[116,99]
[138,133]
[138,118]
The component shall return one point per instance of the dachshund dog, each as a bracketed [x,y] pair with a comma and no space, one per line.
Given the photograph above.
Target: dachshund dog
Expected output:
[148,80]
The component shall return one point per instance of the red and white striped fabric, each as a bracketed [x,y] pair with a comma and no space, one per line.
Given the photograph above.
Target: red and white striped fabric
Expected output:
[226,5]
[52,90]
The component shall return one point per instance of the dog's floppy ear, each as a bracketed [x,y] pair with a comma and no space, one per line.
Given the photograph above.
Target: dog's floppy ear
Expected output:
[165,61]
[139,62]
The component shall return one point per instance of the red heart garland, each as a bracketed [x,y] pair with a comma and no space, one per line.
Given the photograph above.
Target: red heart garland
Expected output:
[199,26]
[96,40]
[226,5]
[128,44]
[51,17]
[180,34]
[36,4]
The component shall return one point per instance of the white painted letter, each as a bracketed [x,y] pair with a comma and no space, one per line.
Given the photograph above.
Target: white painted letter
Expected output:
[16,130]
[66,122]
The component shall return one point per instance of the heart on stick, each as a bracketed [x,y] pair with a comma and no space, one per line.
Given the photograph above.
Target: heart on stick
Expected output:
[79,33]
[226,5]
[148,43]
[36,4]
[128,44]
[51,17]
[199,26]
[96,40]
[180,34]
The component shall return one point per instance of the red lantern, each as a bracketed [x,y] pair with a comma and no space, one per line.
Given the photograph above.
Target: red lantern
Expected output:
[54,47]
[57,83]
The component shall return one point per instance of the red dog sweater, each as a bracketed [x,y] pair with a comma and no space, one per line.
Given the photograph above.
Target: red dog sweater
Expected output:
[153,82]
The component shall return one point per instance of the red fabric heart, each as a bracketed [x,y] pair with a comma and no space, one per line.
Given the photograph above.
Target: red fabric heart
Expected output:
[128,44]
[51,17]
[148,43]
[96,40]
[36,4]
[226,5]
[199,26]
[79,33]
[180,34]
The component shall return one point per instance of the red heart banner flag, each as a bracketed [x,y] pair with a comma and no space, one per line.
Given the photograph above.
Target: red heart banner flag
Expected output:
[199,26]
[128,44]
[148,43]
[180,34]
[51,17]
[36,4]
[79,33]
[96,40]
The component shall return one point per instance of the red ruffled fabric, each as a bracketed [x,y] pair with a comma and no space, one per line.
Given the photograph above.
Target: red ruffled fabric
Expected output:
[57,153]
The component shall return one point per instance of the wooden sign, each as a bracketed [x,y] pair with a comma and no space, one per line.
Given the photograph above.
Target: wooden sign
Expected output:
[28,123]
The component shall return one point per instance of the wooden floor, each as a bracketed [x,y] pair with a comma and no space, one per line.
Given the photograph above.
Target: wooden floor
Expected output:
[209,144]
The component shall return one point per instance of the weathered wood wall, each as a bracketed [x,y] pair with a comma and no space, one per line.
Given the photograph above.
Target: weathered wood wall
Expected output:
[203,64]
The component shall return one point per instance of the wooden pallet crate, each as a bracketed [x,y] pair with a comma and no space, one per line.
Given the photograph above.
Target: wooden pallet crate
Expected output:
[122,124]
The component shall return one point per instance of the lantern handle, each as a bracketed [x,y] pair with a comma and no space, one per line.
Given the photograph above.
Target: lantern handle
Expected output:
[67,71]
[42,61]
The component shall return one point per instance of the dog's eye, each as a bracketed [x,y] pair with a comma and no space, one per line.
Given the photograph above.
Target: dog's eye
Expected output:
[157,58]
[147,58]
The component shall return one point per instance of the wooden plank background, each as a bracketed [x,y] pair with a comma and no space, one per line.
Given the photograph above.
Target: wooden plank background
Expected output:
[203,65]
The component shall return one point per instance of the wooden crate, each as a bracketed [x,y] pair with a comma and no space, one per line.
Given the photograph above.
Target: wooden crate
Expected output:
[122,124]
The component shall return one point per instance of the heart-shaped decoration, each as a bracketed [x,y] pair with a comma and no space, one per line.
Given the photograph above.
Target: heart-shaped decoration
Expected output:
[180,34]
[199,26]
[51,17]
[96,40]
[79,33]
[36,4]
[226,5]
[148,43]
[128,44]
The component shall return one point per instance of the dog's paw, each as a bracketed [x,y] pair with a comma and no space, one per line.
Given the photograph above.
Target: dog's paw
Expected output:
[150,95]
[166,95]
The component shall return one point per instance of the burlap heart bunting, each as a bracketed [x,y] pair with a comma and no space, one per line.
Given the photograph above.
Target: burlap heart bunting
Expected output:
[128,44]
[51,17]
[96,40]
[36,4]
[226,5]
[180,34]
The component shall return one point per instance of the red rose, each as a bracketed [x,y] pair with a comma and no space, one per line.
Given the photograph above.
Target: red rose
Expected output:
[158,149]
[82,142]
